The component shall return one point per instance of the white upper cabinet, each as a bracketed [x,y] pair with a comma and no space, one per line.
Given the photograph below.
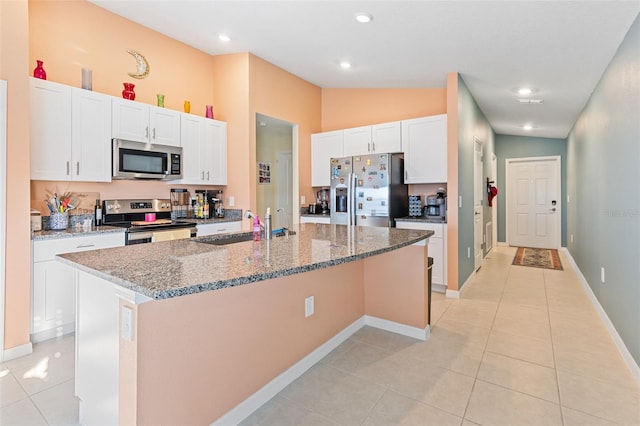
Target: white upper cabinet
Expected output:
[70,133]
[357,141]
[140,122]
[386,137]
[204,150]
[50,130]
[91,136]
[379,138]
[424,143]
[324,147]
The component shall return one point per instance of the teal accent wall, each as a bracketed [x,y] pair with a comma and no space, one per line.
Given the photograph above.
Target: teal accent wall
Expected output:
[603,181]
[526,146]
[471,124]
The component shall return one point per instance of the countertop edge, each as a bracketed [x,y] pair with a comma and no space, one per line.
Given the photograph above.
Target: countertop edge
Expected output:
[242,280]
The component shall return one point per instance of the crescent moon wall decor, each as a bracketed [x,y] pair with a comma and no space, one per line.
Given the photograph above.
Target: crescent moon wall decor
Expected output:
[142,65]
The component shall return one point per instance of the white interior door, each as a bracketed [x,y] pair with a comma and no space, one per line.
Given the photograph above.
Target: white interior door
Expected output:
[533,202]
[494,207]
[477,204]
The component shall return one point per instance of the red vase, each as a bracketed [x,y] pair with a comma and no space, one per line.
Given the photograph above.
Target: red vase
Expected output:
[208,111]
[128,92]
[39,72]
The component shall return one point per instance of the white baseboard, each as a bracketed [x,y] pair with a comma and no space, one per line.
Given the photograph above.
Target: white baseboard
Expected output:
[453,294]
[44,335]
[394,327]
[271,389]
[268,391]
[502,244]
[17,352]
[628,358]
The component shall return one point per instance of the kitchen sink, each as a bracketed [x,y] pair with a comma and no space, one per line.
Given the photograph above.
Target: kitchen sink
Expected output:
[230,239]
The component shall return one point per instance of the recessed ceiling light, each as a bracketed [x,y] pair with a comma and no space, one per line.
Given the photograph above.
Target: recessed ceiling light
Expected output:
[364,18]
[525,91]
[224,37]
[345,65]
[527,127]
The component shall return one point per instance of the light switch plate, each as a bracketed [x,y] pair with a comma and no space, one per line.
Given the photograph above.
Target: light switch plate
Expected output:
[309,307]
[126,325]
[232,201]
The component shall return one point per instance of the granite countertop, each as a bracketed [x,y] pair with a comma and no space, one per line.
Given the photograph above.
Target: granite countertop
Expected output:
[315,215]
[74,232]
[175,268]
[422,219]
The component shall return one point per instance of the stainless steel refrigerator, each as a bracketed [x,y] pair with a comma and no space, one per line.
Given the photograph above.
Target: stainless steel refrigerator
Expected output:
[368,190]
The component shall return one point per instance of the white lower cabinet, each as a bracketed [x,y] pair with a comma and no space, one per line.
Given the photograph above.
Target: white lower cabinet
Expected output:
[315,219]
[205,229]
[437,250]
[52,283]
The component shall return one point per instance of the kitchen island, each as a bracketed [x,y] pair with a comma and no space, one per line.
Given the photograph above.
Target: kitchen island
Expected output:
[189,332]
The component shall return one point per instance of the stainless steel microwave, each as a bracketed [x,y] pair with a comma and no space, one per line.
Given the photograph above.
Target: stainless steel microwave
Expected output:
[141,160]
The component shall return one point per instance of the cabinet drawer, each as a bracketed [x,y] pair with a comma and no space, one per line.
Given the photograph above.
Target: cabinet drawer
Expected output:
[217,228]
[48,249]
[438,228]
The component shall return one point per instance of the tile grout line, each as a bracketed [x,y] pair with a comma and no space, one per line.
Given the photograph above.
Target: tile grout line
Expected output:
[553,350]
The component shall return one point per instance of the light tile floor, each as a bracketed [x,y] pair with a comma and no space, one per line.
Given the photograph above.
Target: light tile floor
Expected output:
[523,346]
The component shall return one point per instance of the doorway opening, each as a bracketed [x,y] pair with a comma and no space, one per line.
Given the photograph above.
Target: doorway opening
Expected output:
[533,206]
[276,181]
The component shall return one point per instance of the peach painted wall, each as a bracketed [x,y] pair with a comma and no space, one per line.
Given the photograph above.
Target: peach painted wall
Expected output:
[222,346]
[452,181]
[14,63]
[280,94]
[71,35]
[392,298]
[345,108]
[231,100]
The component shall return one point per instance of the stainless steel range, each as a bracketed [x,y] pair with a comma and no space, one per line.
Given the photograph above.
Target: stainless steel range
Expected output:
[146,220]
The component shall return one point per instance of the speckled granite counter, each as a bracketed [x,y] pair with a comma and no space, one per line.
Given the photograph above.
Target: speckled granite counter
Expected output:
[314,215]
[175,268]
[212,220]
[74,232]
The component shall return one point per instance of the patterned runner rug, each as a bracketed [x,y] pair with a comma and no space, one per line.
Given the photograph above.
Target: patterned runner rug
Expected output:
[538,258]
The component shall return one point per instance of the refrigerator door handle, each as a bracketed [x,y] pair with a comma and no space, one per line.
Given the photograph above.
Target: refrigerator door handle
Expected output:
[351,199]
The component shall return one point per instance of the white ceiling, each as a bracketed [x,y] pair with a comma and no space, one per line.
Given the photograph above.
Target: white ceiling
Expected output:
[560,48]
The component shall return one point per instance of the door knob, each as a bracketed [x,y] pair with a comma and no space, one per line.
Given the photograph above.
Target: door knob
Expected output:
[553,209]
[477,214]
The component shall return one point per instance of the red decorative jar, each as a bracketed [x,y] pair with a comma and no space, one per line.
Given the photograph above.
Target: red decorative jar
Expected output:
[39,72]
[128,92]
[208,111]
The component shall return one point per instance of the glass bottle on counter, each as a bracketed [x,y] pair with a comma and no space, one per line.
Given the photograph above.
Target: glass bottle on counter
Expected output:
[98,213]
[256,228]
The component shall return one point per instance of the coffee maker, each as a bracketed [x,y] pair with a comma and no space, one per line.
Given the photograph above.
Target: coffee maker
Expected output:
[323,200]
[436,205]
[215,204]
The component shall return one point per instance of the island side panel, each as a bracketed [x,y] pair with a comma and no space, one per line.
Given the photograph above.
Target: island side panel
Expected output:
[398,293]
[198,356]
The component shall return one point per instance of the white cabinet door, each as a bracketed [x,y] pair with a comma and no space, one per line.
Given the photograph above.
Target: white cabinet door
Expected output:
[164,126]
[324,147]
[130,120]
[205,229]
[192,130]
[424,143]
[204,150]
[52,293]
[53,296]
[216,135]
[437,247]
[50,128]
[357,141]
[90,136]
[386,137]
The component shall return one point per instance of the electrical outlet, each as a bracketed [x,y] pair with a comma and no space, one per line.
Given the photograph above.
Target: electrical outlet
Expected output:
[309,307]
[232,201]
[126,325]
[303,200]
[602,274]
[468,252]
[460,201]
[571,237]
